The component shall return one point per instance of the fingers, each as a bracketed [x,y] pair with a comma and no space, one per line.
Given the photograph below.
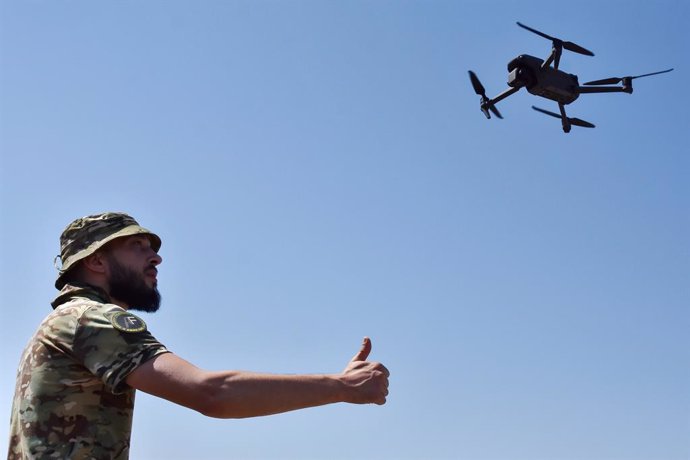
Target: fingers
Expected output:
[382,399]
[383,387]
[363,353]
[369,380]
[383,369]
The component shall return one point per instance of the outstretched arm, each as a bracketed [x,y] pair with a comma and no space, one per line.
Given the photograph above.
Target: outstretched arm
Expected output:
[239,394]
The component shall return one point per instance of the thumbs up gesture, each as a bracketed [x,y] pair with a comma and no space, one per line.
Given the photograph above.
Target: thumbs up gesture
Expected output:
[366,382]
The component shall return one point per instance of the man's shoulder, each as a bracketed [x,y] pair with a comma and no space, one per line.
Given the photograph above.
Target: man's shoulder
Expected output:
[79,307]
[63,322]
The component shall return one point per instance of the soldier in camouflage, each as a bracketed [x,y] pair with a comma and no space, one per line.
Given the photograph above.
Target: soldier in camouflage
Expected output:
[72,400]
[77,376]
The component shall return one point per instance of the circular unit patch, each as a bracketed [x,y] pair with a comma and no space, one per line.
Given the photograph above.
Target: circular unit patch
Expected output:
[126,322]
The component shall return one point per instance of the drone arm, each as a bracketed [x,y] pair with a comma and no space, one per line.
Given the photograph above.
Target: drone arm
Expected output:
[555,56]
[489,104]
[504,95]
[605,89]
[565,121]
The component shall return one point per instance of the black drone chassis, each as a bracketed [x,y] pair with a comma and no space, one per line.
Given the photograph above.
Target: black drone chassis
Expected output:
[543,78]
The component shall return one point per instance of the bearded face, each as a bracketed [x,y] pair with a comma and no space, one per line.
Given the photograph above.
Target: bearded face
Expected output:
[129,286]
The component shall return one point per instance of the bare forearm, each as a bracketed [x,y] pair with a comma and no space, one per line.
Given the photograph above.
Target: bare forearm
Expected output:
[237,394]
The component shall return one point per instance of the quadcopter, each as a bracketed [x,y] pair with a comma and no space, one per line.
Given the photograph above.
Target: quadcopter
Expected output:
[540,78]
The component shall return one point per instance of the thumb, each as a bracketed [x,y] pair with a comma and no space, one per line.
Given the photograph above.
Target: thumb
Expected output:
[363,353]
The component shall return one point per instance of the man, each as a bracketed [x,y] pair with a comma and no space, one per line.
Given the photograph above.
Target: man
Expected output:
[78,375]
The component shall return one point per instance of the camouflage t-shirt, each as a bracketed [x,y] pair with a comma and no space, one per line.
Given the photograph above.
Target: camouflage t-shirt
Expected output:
[71,399]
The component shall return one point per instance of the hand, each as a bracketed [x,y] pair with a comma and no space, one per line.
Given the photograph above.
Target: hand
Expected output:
[366,382]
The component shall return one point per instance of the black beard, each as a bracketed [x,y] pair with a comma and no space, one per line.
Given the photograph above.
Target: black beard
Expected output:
[129,287]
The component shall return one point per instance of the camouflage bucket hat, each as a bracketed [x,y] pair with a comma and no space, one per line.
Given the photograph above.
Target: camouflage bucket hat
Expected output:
[87,234]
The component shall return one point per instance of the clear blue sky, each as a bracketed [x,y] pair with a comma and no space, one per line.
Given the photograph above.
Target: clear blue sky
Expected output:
[320,171]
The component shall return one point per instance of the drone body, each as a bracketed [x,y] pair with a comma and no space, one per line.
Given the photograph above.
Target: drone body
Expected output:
[550,83]
[543,79]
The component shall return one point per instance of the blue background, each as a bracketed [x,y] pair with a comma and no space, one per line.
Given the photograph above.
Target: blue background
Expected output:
[320,171]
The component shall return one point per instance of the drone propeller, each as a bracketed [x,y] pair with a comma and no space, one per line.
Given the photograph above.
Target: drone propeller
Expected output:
[486,102]
[616,80]
[570,46]
[573,121]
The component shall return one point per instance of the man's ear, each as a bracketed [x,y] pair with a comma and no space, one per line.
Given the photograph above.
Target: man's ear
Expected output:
[96,262]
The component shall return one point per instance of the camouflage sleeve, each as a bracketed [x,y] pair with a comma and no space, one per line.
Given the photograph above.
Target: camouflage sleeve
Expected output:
[111,343]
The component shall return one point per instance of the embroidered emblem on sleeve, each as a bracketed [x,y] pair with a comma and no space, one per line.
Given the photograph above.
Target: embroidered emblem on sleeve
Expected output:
[127,322]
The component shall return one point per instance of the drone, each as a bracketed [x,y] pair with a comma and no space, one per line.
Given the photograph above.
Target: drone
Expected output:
[543,79]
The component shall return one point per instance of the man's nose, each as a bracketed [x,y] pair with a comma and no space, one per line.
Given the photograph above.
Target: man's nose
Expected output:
[156,259]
